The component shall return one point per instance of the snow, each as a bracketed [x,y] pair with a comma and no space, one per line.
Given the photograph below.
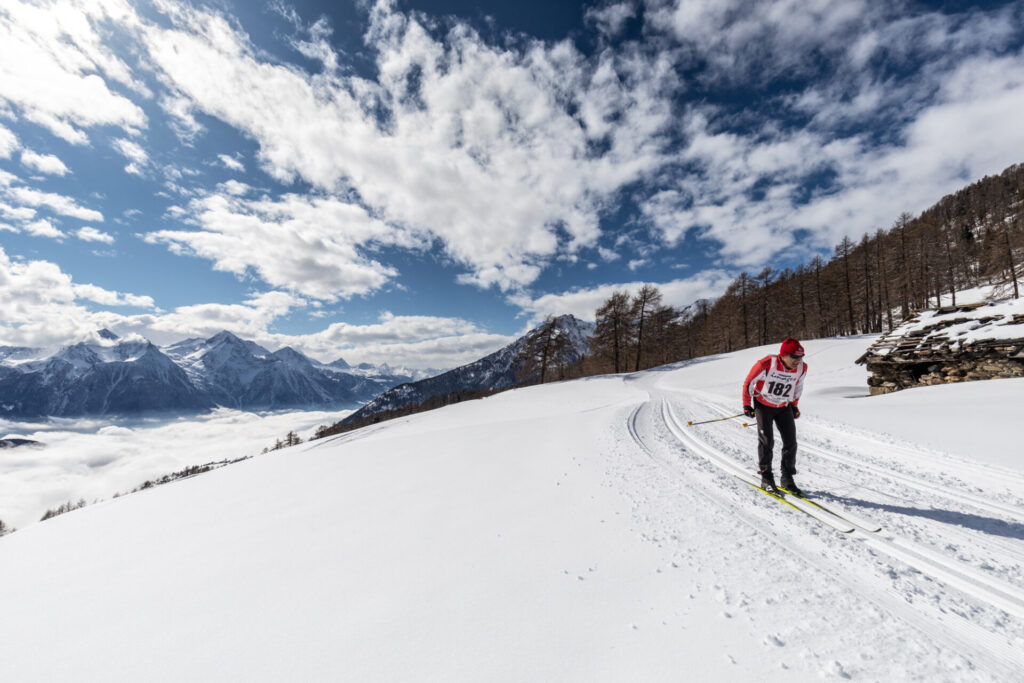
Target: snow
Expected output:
[577,531]
[992,321]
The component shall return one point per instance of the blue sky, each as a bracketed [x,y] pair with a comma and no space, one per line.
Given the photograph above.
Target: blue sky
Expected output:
[419,181]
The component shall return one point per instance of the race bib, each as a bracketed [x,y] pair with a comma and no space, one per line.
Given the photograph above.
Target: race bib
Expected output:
[780,387]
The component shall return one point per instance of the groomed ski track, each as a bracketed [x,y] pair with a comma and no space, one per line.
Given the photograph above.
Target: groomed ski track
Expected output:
[947,564]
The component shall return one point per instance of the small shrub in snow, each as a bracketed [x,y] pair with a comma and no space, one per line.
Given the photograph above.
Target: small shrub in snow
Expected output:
[65,507]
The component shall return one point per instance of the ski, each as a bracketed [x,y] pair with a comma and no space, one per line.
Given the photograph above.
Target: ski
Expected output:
[858,522]
[831,520]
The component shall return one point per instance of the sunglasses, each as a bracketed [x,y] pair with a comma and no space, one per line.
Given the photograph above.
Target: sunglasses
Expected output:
[798,356]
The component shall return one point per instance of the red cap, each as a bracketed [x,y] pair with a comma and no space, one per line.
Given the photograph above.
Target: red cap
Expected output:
[791,347]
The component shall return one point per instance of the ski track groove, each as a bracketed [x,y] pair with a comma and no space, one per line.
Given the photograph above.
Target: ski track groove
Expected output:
[966,578]
[1005,598]
[958,497]
[1000,660]
[1008,552]
[923,456]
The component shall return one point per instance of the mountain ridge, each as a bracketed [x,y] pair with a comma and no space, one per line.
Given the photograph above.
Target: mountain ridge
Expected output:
[109,375]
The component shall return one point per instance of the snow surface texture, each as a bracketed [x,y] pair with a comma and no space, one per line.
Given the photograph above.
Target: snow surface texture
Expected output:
[578,531]
[995,321]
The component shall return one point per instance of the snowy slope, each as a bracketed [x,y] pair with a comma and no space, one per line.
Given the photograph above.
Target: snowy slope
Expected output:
[498,370]
[577,531]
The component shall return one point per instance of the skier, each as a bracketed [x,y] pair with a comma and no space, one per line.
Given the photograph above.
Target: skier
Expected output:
[771,393]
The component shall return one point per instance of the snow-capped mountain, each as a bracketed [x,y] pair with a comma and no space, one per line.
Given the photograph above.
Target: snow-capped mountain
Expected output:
[115,377]
[384,370]
[108,375]
[498,370]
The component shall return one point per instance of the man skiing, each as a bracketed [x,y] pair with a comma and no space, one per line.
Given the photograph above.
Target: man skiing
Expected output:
[771,393]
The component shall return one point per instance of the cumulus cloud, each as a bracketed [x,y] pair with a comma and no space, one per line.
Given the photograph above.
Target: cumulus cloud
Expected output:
[315,246]
[8,143]
[478,147]
[90,234]
[19,213]
[58,203]
[107,297]
[182,118]
[612,18]
[41,306]
[136,155]
[51,61]
[44,163]
[584,302]
[231,163]
[44,228]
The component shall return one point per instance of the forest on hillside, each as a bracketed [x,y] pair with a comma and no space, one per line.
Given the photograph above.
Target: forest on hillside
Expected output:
[971,238]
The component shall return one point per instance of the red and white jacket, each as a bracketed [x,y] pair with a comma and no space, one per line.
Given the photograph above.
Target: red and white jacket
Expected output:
[773,384]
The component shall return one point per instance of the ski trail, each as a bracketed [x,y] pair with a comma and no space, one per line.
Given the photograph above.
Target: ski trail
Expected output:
[957,496]
[919,454]
[983,649]
[979,587]
[990,563]
[1007,552]
[728,465]
[982,586]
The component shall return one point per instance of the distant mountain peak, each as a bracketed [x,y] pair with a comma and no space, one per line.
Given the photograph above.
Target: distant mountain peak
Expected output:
[223,337]
[107,334]
[340,364]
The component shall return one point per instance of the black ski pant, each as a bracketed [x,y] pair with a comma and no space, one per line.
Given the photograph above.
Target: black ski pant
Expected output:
[783,419]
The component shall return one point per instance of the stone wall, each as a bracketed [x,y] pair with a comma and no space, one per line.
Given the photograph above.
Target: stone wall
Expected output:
[887,377]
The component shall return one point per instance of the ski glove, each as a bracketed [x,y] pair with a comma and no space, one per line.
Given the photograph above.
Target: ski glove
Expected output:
[748,411]
[796,413]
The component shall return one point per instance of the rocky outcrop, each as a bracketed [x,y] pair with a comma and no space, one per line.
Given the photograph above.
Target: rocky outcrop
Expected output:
[947,345]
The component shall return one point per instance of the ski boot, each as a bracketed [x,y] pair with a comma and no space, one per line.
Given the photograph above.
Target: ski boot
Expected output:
[789,486]
[768,482]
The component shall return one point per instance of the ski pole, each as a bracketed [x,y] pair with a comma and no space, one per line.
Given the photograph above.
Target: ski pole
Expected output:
[691,423]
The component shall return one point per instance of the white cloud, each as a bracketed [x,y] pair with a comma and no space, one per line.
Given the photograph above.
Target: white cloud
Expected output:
[231,163]
[40,304]
[51,61]
[107,297]
[612,18]
[65,206]
[483,154]
[44,163]
[8,143]
[234,188]
[44,228]
[91,460]
[315,246]
[440,353]
[20,213]
[182,119]
[583,303]
[90,234]
[134,152]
